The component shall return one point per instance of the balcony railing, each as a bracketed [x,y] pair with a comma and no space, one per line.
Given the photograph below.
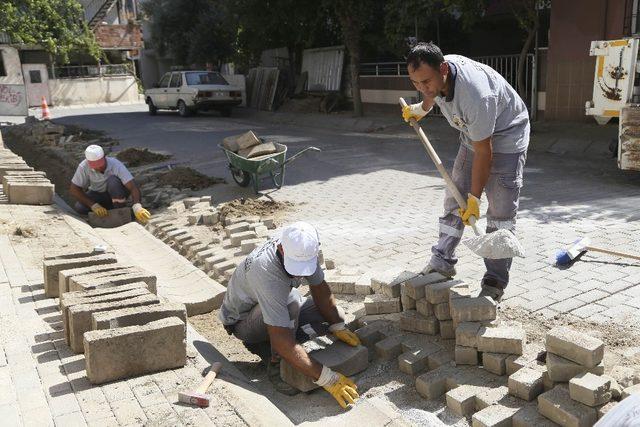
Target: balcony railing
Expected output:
[88,71]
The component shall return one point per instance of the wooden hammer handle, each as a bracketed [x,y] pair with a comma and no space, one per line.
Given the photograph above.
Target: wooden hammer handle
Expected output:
[606,251]
[208,379]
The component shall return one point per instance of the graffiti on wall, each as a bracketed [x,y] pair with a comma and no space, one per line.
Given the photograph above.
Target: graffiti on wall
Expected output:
[13,100]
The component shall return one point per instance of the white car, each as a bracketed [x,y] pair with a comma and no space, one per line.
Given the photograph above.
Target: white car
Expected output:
[190,91]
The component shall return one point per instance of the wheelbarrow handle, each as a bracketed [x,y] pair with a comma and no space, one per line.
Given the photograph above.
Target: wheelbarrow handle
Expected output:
[295,156]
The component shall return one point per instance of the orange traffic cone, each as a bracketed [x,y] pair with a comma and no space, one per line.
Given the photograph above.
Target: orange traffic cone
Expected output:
[46,114]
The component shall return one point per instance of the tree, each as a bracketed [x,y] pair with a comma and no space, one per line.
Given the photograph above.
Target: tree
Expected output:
[191,32]
[57,25]
[403,18]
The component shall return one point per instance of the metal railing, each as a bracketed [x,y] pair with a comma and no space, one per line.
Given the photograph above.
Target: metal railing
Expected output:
[87,71]
[383,69]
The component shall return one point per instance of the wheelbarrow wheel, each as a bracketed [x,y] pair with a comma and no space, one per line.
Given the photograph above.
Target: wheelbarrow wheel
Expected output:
[242,178]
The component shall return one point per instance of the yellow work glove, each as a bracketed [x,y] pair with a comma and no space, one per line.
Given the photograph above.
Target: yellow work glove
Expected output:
[340,387]
[473,209]
[344,335]
[413,111]
[99,210]
[141,213]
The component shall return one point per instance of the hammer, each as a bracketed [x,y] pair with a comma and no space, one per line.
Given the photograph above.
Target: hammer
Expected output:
[580,246]
[199,396]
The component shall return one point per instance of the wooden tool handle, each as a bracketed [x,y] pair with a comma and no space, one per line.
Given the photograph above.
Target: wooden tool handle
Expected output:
[445,175]
[208,379]
[606,251]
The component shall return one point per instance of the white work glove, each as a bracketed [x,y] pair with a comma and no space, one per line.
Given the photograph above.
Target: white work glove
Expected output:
[413,111]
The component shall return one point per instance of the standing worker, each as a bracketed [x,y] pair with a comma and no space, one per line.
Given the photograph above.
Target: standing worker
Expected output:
[494,136]
[263,304]
[109,184]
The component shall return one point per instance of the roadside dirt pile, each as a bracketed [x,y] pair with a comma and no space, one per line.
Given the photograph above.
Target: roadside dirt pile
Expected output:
[183,177]
[133,156]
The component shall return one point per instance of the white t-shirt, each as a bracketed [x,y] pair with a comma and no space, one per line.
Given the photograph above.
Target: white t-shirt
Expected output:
[87,178]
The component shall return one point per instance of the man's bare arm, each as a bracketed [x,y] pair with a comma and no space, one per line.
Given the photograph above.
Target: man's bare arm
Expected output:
[326,303]
[481,169]
[79,194]
[134,191]
[284,344]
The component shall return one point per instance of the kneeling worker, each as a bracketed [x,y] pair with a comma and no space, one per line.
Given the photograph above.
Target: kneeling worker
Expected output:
[263,305]
[108,182]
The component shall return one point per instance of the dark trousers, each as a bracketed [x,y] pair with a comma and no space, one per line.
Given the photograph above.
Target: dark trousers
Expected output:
[115,196]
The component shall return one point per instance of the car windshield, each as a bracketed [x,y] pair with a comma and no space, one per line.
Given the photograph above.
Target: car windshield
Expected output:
[204,78]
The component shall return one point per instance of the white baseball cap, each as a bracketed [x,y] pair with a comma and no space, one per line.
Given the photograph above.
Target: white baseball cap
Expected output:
[301,245]
[94,153]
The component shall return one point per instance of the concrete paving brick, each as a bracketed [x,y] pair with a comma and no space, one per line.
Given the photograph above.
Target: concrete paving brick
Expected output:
[528,416]
[80,316]
[247,246]
[65,275]
[407,302]
[381,304]
[30,193]
[415,287]
[52,267]
[561,370]
[495,362]
[447,331]
[133,316]
[473,309]
[467,334]
[388,282]
[438,293]
[501,339]
[576,346]
[85,283]
[440,358]
[424,307]
[433,384]
[134,350]
[413,362]
[370,334]
[492,396]
[441,311]
[460,291]
[236,228]
[390,347]
[589,389]
[526,384]
[494,416]
[340,283]
[557,405]
[414,322]
[116,218]
[466,355]
[461,400]
[237,238]
[332,353]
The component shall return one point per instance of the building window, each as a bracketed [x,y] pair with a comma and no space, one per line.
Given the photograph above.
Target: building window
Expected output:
[35,76]
[3,71]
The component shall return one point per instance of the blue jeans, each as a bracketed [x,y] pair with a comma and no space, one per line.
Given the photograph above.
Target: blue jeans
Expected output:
[115,196]
[503,195]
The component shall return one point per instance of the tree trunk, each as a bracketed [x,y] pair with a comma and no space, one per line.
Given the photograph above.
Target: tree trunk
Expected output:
[351,34]
[522,63]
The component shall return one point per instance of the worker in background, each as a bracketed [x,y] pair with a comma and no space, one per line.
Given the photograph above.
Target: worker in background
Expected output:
[262,304]
[102,183]
[494,136]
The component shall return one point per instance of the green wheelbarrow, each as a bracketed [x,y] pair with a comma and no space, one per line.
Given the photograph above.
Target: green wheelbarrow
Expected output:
[246,171]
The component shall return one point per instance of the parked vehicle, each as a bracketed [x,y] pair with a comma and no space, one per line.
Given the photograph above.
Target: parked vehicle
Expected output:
[193,91]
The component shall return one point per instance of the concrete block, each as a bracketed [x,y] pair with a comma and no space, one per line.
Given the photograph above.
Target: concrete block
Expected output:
[526,384]
[80,316]
[589,389]
[447,331]
[478,309]
[467,334]
[248,246]
[370,334]
[193,250]
[31,193]
[495,362]
[388,282]
[494,416]
[433,384]
[195,218]
[84,283]
[575,346]
[528,416]
[424,307]
[114,354]
[561,370]
[466,355]
[118,269]
[65,275]
[491,396]
[53,266]
[407,302]
[362,286]
[236,228]
[414,322]
[210,218]
[501,339]
[381,304]
[440,358]
[441,311]
[416,360]
[459,291]
[186,245]
[557,405]
[134,316]
[262,231]
[390,347]
[415,287]
[630,390]
[438,293]
[212,261]
[340,283]
[237,238]
[116,218]
[331,353]
[461,400]
[71,298]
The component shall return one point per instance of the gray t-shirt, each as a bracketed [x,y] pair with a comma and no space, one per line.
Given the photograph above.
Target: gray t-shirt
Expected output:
[262,279]
[87,178]
[483,104]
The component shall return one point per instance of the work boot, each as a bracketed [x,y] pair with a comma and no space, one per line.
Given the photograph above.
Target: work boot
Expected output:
[273,373]
[490,289]
[449,271]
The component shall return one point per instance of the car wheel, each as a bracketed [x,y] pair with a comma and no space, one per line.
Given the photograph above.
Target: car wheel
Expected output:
[183,109]
[153,110]
[226,112]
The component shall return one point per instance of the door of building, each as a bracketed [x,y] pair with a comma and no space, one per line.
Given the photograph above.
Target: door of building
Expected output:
[36,80]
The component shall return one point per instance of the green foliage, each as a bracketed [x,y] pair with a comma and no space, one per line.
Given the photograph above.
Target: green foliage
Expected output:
[469,11]
[57,25]
[193,32]
[401,17]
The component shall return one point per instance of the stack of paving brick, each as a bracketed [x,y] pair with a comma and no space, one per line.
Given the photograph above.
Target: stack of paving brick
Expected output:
[111,313]
[21,184]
